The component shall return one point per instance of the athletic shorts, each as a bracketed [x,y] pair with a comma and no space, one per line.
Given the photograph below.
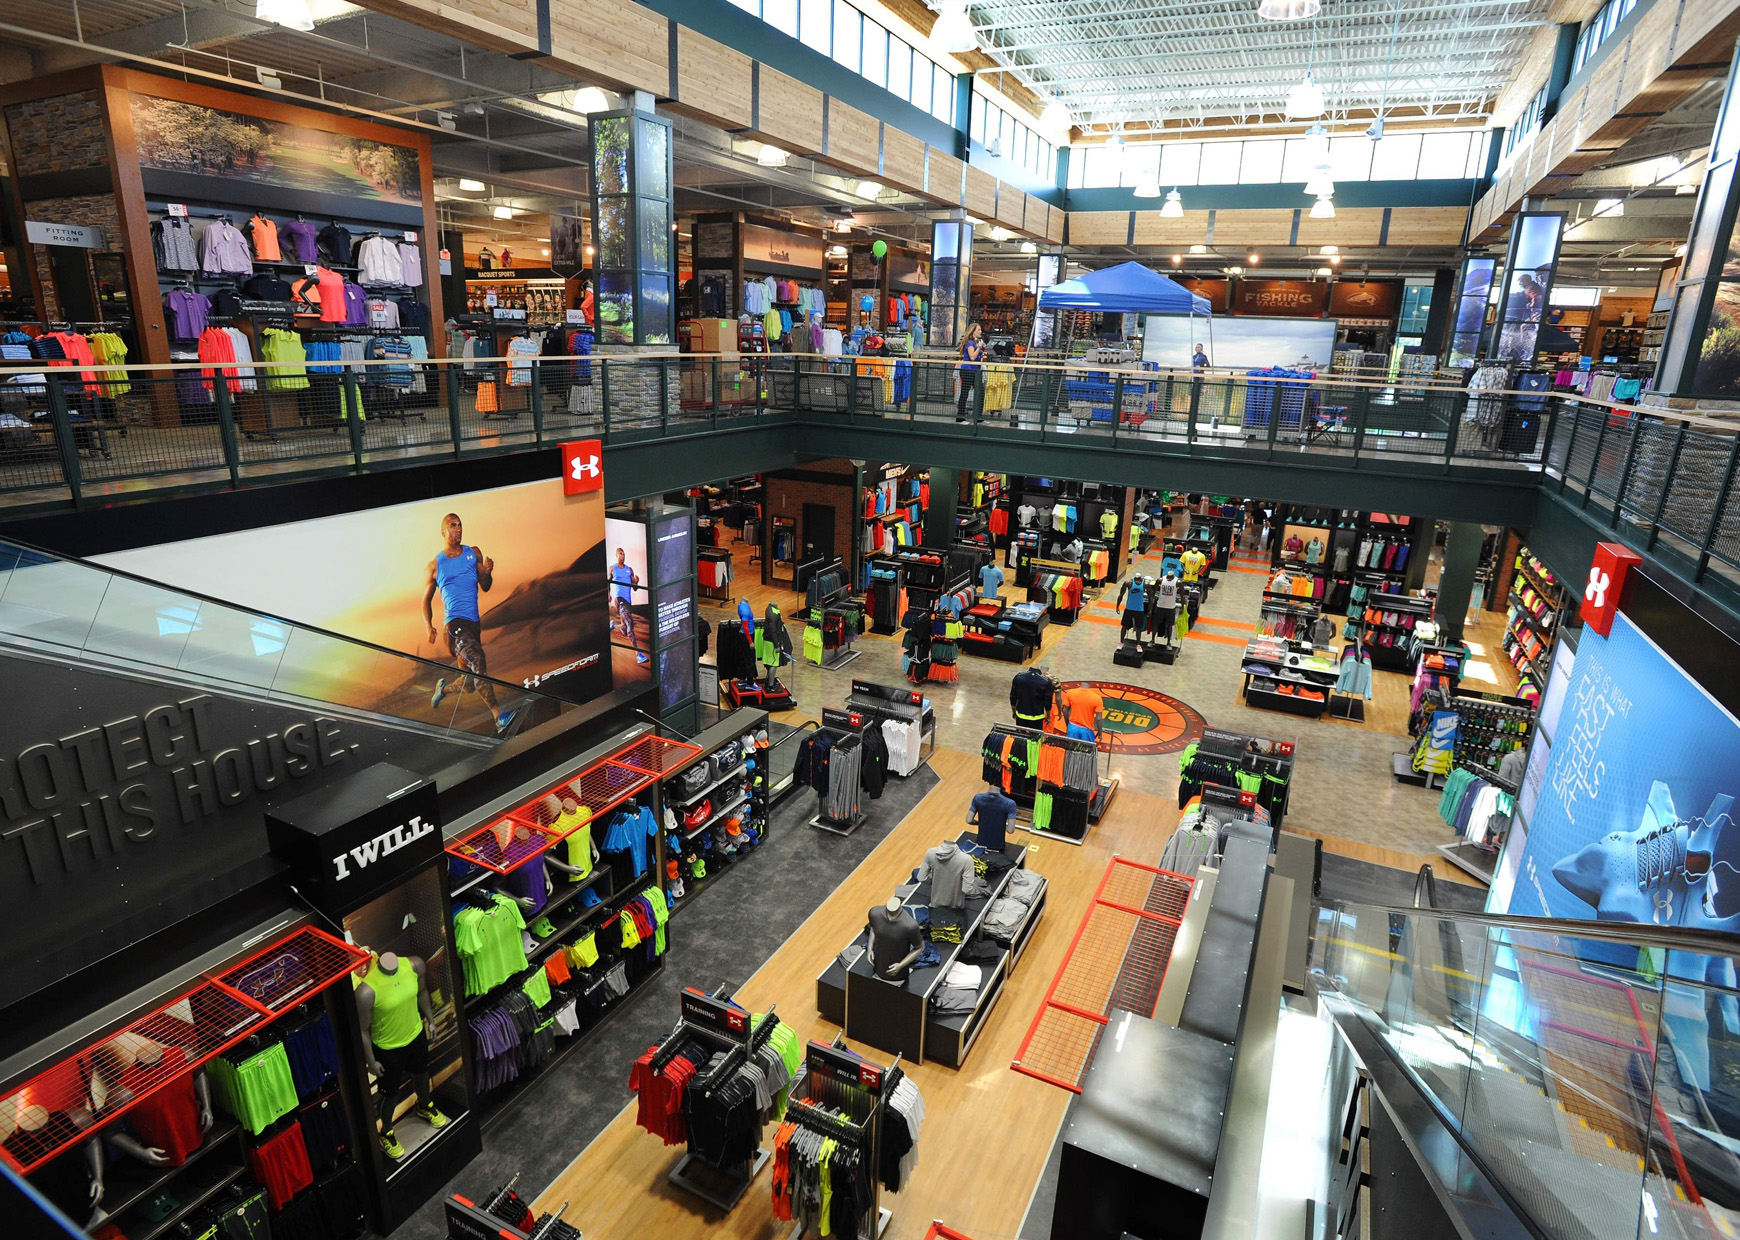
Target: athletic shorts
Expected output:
[1133,620]
[398,1063]
[465,644]
[280,1164]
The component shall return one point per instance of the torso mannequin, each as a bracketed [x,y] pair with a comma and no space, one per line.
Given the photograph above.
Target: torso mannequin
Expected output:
[895,940]
[567,814]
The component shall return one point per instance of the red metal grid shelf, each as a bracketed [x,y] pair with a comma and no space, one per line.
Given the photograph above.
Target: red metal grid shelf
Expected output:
[1117,959]
[503,844]
[109,1077]
[529,829]
[655,755]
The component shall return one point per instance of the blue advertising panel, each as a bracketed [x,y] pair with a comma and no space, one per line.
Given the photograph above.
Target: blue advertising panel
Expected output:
[1633,819]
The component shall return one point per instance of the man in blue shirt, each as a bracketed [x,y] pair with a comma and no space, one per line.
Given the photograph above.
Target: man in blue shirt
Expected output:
[991,813]
[623,581]
[458,572]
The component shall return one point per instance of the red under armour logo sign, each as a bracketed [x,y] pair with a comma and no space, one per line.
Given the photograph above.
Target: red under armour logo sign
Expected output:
[582,466]
[1603,593]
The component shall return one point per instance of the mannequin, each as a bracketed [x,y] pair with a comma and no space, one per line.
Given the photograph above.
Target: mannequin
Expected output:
[393,1007]
[893,930]
[74,1181]
[989,814]
[1139,592]
[1163,609]
[567,814]
[950,872]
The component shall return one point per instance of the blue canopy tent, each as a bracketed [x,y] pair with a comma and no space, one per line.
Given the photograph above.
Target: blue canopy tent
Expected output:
[1128,288]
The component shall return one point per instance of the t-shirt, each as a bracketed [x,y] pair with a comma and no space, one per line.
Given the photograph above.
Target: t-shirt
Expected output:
[1108,523]
[893,937]
[166,1118]
[622,578]
[1025,515]
[1083,704]
[991,813]
[1166,593]
[1193,562]
[579,843]
[990,580]
[1137,597]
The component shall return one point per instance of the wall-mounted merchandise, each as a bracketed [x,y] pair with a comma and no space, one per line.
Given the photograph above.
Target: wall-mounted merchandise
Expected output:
[1536,604]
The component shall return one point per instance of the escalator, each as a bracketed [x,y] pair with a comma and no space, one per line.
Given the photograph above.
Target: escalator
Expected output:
[1578,1080]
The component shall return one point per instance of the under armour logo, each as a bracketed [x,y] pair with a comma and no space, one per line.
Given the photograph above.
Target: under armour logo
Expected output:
[584,468]
[1596,591]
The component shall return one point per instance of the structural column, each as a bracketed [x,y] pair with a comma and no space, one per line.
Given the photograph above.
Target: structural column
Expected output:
[951,282]
[1456,583]
[939,518]
[1700,356]
[1529,266]
[632,179]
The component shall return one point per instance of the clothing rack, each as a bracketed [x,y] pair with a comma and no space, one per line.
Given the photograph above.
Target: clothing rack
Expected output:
[840,724]
[1099,800]
[1254,755]
[835,1080]
[711,1019]
[876,702]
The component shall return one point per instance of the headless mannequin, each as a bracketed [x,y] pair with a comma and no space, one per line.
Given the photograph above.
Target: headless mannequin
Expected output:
[556,807]
[1132,617]
[1162,619]
[895,924]
[390,1084]
[33,1119]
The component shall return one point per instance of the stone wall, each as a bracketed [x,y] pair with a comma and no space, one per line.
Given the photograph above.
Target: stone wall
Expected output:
[788,492]
[93,211]
[58,134]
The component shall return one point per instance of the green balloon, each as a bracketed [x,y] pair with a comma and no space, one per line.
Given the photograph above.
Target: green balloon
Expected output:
[880,249]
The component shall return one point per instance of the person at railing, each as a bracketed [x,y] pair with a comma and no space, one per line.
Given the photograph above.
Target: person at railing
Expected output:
[1199,359]
[972,353]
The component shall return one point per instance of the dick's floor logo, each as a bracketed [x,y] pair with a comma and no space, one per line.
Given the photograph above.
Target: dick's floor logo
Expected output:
[383,845]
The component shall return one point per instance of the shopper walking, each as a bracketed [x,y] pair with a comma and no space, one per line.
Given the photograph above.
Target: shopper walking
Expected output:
[972,353]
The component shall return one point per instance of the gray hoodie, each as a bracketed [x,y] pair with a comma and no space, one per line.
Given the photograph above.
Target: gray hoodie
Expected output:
[950,872]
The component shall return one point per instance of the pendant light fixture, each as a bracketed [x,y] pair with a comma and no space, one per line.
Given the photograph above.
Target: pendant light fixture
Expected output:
[1288,10]
[771,156]
[1324,210]
[1173,207]
[292,14]
[1321,185]
[1055,116]
[953,31]
[1148,186]
[1305,101]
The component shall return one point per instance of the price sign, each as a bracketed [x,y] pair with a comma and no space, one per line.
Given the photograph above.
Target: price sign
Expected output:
[177,209]
[575,317]
[411,237]
[489,299]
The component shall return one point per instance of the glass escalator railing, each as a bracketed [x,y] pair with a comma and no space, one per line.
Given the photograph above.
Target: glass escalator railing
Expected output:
[1592,1069]
[71,609]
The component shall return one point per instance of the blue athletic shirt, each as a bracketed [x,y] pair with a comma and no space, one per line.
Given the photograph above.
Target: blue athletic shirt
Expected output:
[456,578]
[623,575]
[1137,599]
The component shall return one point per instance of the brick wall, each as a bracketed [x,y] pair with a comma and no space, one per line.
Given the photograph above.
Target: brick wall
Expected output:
[786,497]
[93,211]
[57,134]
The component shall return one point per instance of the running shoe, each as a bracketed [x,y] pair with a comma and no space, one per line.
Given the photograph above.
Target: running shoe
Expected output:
[504,717]
[390,1144]
[431,1115]
[639,657]
[440,692]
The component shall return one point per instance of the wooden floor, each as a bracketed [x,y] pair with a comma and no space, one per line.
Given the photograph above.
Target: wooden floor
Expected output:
[987,1131]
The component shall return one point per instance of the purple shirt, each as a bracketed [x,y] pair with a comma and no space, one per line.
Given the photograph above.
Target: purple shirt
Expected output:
[297,238]
[187,313]
[356,305]
[224,251]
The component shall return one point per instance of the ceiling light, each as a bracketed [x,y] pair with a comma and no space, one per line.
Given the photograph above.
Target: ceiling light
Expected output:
[1327,249]
[588,251]
[1655,171]
[1288,10]
[1320,185]
[1114,144]
[1324,209]
[1317,146]
[271,81]
[1305,100]
[588,99]
[842,226]
[292,13]
[869,189]
[770,157]
[1055,116]
[1685,189]
[1609,207]
[547,248]
[503,213]
[1027,247]
[999,233]
[1324,271]
[1335,259]
[1148,186]
[1177,259]
[475,109]
[1253,258]
[1376,131]
[953,31]
[1173,209]
[838,251]
[1235,271]
[1199,248]
[468,186]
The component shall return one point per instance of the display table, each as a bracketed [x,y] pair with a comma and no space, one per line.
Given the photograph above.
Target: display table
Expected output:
[897,1016]
[1288,676]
